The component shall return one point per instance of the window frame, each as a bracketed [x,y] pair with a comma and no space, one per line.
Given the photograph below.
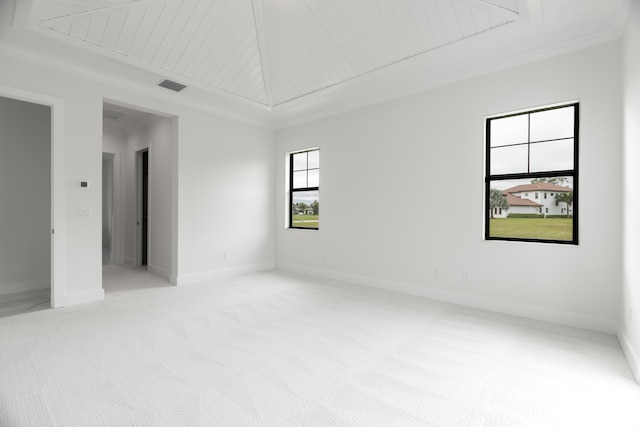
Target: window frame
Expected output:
[293,190]
[573,173]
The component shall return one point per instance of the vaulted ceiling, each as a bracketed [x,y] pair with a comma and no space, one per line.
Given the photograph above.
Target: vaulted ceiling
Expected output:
[282,54]
[272,51]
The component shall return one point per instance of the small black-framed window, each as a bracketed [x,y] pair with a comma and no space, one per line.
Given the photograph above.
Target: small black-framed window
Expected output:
[304,189]
[527,153]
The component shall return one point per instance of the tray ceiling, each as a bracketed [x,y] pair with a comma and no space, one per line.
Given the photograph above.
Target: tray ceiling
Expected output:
[270,52]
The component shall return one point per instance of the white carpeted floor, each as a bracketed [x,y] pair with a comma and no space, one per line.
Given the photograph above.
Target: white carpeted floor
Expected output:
[277,349]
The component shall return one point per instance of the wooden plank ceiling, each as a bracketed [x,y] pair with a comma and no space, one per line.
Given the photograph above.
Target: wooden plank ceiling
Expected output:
[270,51]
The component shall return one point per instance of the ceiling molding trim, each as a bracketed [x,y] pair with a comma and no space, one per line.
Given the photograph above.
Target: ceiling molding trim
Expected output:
[256,5]
[508,14]
[37,58]
[530,11]
[50,23]
[621,17]
[534,56]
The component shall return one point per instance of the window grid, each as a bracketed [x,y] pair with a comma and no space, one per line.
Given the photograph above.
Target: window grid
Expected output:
[572,173]
[295,186]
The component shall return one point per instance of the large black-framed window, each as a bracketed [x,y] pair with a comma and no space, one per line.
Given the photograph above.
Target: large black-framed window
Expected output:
[304,193]
[533,153]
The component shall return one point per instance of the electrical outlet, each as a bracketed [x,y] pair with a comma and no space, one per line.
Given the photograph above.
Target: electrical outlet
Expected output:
[465,276]
[436,271]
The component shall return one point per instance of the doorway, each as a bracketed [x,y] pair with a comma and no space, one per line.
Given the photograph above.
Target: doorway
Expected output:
[42,212]
[145,147]
[108,208]
[143,206]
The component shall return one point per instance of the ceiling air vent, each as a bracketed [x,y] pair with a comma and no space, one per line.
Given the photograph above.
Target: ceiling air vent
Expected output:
[112,114]
[171,85]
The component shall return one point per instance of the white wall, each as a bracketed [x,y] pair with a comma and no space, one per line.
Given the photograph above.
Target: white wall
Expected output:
[401,192]
[25,196]
[630,313]
[221,164]
[226,198]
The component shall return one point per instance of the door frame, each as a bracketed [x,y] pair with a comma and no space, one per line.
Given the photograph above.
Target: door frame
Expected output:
[137,244]
[57,185]
[114,205]
[174,116]
[118,234]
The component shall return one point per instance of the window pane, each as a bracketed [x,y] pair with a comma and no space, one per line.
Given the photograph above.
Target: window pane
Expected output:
[552,156]
[552,124]
[305,209]
[300,179]
[525,217]
[509,160]
[509,130]
[305,174]
[314,159]
[299,161]
[313,178]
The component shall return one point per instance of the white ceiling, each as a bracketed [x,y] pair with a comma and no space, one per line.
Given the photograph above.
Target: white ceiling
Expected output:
[125,120]
[283,61]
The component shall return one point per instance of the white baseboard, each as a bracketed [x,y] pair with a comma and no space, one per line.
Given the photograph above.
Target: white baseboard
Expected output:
[632,357]
[158,271]
[188,279]
[127,261]
[499,306]
[24,294]
[83,297]
[14,288]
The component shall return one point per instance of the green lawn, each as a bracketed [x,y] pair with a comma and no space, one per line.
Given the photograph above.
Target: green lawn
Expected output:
[306,221]
[532,228]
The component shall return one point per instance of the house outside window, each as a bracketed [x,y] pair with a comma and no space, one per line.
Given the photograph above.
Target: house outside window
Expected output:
[531,152]
[304,189]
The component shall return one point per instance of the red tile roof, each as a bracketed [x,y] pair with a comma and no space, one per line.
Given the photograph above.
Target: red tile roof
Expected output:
[538,186]
[519,201]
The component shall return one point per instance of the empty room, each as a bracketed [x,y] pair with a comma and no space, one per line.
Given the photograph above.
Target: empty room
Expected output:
[164,260]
